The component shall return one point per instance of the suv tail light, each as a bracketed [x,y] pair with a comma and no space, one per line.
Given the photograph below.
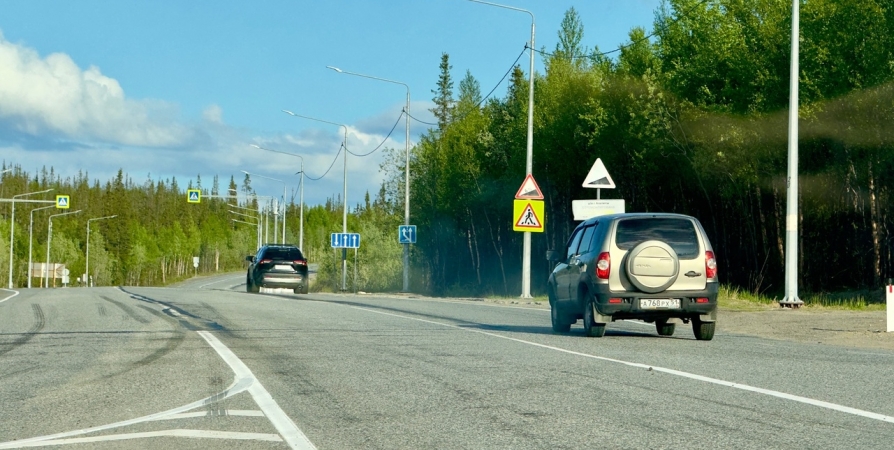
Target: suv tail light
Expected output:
[265,261]
[603,266]
[299,262]
[710,265]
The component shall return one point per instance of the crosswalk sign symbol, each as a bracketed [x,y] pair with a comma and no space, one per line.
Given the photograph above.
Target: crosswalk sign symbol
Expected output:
[193,195]
[62,201]
[528,215]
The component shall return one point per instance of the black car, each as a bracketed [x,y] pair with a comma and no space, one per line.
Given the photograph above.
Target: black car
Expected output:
[277,266]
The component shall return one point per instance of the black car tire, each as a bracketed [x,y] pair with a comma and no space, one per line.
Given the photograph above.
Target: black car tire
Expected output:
[654,250]
[704,331]
[560,321]
[247,284]
[251,287]
[664,327]
[591,328]
[300,290]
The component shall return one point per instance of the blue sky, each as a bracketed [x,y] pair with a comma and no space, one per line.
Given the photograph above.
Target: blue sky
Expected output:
[171,88]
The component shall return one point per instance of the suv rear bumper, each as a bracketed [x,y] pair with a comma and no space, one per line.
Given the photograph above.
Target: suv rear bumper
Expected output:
[291,281]
[629,307]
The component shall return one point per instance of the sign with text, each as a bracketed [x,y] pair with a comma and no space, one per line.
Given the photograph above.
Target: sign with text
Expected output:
[585,209]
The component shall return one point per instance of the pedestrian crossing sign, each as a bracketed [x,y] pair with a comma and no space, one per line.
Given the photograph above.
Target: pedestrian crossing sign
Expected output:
[528,215]
[193,195]
[63,201]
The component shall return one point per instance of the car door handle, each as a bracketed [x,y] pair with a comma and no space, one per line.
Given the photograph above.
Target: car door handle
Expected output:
[692,274]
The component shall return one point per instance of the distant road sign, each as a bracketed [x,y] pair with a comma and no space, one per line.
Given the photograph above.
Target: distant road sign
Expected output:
[529,189]
[406,234]
[63,201]
[193,196]
[345,240]
[598,177]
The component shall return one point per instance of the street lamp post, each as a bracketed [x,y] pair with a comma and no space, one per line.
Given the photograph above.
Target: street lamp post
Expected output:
[31,239]
[12,224]
[529,162]
[283,205]
[407,168]
[301,194]
[344,220]
[87,262]
[49,239]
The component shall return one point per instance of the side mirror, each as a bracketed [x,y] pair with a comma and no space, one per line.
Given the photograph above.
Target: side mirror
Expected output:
[249,258]
[552,255]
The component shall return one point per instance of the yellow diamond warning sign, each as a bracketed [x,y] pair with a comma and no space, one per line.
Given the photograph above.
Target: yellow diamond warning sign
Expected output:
[528,215]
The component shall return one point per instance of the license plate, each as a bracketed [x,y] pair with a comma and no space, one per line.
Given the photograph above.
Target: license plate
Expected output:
[282,267]
[659,303]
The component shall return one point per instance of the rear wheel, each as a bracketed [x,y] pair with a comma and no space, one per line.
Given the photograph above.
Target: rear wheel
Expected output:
[664,327]
[559,318]
[251,287]
[704,331]
[591,328]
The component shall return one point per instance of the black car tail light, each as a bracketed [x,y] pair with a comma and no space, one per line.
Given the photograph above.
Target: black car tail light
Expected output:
[265,261]
[300,262]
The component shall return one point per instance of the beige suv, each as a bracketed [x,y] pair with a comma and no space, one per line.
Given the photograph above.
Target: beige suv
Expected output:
[651,267]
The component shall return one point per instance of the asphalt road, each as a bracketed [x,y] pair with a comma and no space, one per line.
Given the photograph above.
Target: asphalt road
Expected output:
[208,365]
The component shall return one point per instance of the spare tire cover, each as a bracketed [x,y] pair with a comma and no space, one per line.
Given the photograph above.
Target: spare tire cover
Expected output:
[652,266]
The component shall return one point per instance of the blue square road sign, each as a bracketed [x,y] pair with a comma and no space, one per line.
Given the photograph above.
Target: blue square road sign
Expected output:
[406,234]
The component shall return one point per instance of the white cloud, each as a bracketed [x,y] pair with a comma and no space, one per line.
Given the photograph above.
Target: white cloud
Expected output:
[213,114]
[53,95]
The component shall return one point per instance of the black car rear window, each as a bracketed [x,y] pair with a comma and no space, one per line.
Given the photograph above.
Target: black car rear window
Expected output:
[678,233]
[283,254]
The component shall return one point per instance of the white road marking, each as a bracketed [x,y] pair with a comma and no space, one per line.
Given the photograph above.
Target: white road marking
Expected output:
[238,386]
[11,296]
[287,429]
[219,281]
[204,434]
[244,380]
[225,413]
[692,376]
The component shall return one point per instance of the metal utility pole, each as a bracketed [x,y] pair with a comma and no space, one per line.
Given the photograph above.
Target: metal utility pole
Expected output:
[791,210]
[407,169]
[529,161]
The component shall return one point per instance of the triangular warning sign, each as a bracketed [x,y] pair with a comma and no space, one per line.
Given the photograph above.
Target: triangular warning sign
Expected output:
[194,196]
[598,177]
[528,219]
[529,190]
[63,201]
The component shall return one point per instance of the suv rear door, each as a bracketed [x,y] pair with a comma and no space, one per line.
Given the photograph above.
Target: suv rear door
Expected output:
[680,233]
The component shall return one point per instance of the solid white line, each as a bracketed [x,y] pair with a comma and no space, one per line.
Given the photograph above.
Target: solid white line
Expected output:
[284,425]
[203,434]
[744,387]
[11,296]
[225,413]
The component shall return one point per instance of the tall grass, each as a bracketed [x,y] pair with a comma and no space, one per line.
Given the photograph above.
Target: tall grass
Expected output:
[732,297]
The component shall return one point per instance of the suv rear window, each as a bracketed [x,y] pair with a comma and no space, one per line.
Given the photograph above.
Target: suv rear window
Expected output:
[283,254]
[678,233]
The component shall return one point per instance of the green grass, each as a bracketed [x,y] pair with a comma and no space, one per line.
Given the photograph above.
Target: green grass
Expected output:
[735,299]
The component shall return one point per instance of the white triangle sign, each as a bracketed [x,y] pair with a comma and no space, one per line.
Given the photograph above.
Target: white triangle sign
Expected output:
[63,201]
[194,196]
[598,177]
[529,190]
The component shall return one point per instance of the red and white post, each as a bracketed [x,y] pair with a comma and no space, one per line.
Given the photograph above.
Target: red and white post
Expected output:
[889,305]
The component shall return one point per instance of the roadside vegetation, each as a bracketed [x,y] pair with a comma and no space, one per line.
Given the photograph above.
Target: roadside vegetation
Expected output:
[691,119]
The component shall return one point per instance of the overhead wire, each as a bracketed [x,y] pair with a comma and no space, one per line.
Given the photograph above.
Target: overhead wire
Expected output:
[383,140]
